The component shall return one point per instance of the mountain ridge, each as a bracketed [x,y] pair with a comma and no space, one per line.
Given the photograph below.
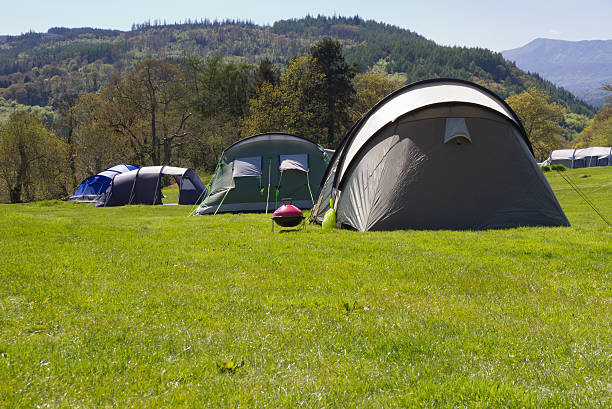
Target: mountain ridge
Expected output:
[581,67]
[36,67]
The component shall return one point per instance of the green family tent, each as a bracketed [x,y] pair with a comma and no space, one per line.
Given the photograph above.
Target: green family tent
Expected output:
[254,174]
[438,154]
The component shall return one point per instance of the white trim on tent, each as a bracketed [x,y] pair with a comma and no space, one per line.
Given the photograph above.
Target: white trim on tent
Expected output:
[151,170]
[414,98]
[597,151]
[173,171]
[562,154]
[119,169]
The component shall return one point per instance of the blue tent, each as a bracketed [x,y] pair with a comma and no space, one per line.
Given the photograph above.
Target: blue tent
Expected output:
[92,187]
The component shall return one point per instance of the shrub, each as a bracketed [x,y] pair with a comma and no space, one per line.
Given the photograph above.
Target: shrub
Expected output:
[545,168]
[559,168]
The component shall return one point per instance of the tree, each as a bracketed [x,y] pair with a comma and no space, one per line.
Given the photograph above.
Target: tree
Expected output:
[290,106]
[599,131]
[337,89]
[370,88]
[66,105]
[32,159]
[95,143]
[210,136]
[218,92]
[147,106]
[215,86]
[266,72]
[573,124]
[540,119]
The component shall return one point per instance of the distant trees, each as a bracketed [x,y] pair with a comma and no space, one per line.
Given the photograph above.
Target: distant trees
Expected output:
[573,124]
[32,159]
[540,119]
[608,99]
[110,107]
[599,131]
[34,66]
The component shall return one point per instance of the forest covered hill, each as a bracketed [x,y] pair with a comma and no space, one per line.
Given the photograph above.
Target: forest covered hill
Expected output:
[37,68]
[581,67]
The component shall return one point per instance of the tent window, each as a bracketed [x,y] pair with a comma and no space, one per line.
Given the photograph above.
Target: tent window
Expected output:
[245,167]
[297,162]
[456,132]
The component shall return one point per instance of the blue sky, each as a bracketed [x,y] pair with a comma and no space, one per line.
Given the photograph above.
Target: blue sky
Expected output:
[493,24]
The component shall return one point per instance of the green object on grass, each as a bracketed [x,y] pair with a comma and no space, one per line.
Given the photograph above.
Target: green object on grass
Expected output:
[329,220]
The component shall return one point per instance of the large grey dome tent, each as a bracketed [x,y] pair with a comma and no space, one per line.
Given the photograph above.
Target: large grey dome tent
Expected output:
[143,186]
[255,173]
[438,154]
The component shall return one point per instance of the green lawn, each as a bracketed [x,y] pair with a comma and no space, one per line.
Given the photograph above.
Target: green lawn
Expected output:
[137,306]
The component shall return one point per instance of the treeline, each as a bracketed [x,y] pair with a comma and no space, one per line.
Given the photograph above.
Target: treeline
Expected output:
[201,22]
[28,62]
[183,113]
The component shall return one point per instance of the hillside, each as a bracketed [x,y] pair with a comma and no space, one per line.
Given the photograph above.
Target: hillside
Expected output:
[37,67]
[581,67]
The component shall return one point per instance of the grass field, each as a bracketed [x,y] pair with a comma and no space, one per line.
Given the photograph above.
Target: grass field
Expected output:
[146,307]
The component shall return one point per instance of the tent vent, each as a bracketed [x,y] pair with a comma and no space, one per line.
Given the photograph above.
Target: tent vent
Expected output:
[456,132]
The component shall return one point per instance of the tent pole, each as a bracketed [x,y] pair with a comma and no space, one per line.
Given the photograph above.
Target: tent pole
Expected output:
[133,186]
[221,202]
[197,203]
[110,192]
[278,190]
[268,195]
[158,185]
[309,190]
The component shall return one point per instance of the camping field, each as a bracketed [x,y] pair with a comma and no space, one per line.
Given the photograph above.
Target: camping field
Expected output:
[148,307]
